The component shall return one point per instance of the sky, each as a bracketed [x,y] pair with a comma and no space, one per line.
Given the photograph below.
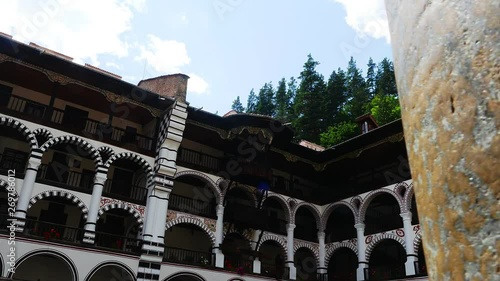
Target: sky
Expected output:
[227,47]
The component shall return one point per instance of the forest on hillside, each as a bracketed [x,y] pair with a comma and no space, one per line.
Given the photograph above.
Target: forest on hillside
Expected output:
[324,111]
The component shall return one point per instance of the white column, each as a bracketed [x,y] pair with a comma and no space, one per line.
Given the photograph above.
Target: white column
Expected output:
[219,233]
[289,251]
[95,202]
[411,257]
[362,264]
[256,266]
[161,196]
[321,241]
[27,190]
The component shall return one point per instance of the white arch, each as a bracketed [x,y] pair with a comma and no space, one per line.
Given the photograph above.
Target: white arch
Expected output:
[60,193]
[329,210]
[312,209]
[366,202]
[193,221]
[331,250]
[212,185]
[381,238]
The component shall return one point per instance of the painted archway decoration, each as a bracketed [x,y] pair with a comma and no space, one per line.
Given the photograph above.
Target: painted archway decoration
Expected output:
[329,210]
[379,239]
[193,221]
[284,204]
[13,191]
[94,154]
[366,202]
[133,157]
[20,127]
[408,197]
[417,241]
[314,211]
[273,237]
[43,133]
[59,193]
[199,175]
[336,246]
[106,150]
[107,204]
[313,248]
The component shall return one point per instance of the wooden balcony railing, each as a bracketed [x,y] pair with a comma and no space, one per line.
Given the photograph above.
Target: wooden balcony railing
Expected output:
[41,113]
[198,160]
[183,256]
[125,191]
[65,178]
[192,206]
[72,235]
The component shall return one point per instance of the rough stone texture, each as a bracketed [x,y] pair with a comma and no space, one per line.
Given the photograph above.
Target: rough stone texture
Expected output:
[446,57]
[173,86]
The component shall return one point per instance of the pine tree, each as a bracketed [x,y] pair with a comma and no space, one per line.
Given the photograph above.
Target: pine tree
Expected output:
[358,95]
[237,106]
[335,98]
[291,92]
[265,100]
[308,103]
[370,78]
[251,102]
[282,101]
[385,78]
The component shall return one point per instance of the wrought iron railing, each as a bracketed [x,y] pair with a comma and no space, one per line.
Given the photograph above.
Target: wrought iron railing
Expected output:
[125,191]
[184,256]
[192,206]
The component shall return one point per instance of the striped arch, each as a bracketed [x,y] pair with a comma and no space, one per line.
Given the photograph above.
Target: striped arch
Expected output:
[123,206]
[94,154]
[246,234]
[313,210]
[284,204]
[330,251]
[417,241]
[328,211]
[192,275]
[20,127]
[410,192]
[273,237]
[314,250]
[42,134]
[106,150]
[193,221]
[51,252]
[206,179]
[379,239]
[373,194]
[124,267]
[137,159]
[59,193]
[4,184]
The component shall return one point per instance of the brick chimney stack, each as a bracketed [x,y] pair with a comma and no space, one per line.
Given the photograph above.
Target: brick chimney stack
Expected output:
[172,86]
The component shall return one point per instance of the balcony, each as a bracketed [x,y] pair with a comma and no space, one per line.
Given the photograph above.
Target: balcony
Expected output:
[126,191]
[86,127]
[72,180]
[199,161]
[386,272]
[192,206]
[62,234]
[183,256]
[13,161]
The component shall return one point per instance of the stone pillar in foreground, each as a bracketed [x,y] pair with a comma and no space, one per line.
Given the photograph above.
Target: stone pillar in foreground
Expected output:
[447,63]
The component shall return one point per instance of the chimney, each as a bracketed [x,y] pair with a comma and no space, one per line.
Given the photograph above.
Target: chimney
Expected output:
[366,123]
[172,86]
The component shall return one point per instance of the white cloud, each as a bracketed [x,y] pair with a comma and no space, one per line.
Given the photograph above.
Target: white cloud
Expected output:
[197,85]
[367,17]
[166,56]
[112,64]
[80,29]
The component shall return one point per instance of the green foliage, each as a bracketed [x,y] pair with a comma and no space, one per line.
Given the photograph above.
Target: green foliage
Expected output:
[251,102]
[385,108]
[265,100]
[237,106]
[308,103]
[324,111]
[339,133]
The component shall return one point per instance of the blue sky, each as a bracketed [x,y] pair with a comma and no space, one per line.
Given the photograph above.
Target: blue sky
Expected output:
[227,47]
